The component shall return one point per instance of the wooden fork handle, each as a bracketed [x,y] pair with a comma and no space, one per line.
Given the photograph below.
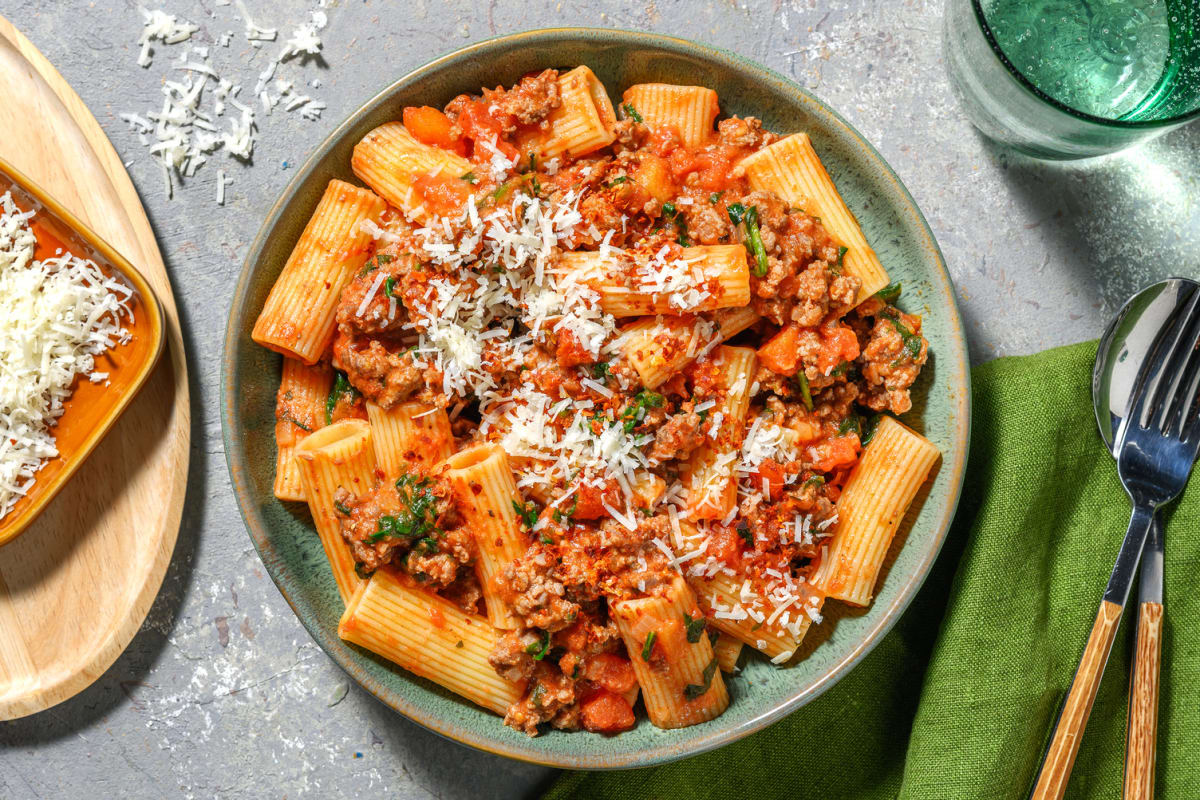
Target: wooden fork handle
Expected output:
[1142,733]
[1064,742]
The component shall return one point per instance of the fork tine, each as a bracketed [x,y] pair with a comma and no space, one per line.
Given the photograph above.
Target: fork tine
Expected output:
[1165,364]
[1176,397]
[1191,422]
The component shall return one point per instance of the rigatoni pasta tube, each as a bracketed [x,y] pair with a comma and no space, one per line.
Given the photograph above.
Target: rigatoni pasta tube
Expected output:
[703,278]
[391,161]
[429,636]
[735,607]
[689,110]
[483,484]
[709,475]
[680,679]
[658,347]
[873,503]
[409,437]
[299,410]
[338,456]
[584,120]
[791,169]
[727,650]
[298,317]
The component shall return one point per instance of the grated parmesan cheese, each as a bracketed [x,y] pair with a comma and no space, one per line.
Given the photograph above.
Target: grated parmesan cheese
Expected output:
[57,315]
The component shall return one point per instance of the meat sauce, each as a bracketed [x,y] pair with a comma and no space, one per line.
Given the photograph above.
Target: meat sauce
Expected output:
[820,357]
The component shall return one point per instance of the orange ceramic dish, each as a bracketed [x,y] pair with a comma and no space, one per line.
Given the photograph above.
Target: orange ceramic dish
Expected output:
[93,407]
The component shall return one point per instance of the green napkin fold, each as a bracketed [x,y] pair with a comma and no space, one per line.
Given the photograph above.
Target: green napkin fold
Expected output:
[956,702]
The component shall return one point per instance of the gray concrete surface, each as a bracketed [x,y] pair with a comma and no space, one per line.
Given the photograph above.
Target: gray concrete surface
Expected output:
[223,694]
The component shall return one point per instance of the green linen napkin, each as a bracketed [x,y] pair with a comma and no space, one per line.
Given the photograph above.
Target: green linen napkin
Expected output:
[956,702]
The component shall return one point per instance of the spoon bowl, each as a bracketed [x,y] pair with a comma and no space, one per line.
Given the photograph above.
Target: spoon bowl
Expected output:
[1126,345]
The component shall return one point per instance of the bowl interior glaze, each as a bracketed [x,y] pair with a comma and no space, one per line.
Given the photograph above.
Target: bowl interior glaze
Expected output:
[283,533]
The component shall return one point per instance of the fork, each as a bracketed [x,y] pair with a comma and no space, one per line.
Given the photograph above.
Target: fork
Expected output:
[1157,445]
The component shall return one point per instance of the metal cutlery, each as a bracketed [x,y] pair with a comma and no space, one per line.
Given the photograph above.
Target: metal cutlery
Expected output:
[1156,446]
[1123,349]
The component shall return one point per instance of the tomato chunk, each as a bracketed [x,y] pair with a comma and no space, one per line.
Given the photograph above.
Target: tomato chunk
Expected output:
[432,127]
[610,671]
[571,352]
[838,344]
[443,195]
[774,474]
[605,712]
[840,451]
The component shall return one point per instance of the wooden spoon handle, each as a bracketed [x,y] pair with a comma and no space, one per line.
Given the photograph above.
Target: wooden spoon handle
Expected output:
[1142,733]
[1064,742]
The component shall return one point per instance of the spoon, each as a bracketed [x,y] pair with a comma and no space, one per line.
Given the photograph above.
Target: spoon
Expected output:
[1124,347]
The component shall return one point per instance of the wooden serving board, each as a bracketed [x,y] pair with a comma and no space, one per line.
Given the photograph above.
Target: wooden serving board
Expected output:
[77,584]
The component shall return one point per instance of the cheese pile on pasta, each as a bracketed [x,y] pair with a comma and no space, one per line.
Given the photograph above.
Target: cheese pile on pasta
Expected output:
[581,404]
[56,315]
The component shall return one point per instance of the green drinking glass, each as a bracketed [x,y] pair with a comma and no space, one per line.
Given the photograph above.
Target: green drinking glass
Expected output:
[1066,79]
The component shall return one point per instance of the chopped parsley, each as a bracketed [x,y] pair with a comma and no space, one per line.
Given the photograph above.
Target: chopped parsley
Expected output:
[815,480]
[540,648]
[743,530]
[418,517]
[890,293]
[648,647]
[694,690]
[912,341]
[715,197]
[389,288]
[617,180]
[841,369]
[868,429]
[694,627]
[671,213]
[469,177]
[297,423]
[805,393]
[850,423]
[539,692]
[631,112]
[362,572]
[559,516]
[601,370]
[341,390]
[545,539]
[841,258]
[341,508]
[635,412]
[527,512]
[748,217]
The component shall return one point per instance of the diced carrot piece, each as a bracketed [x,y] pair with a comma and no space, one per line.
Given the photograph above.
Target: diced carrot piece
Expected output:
[781,353]
[432,127]
[605,712]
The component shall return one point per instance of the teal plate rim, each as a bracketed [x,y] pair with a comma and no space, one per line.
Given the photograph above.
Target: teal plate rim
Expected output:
[435,708]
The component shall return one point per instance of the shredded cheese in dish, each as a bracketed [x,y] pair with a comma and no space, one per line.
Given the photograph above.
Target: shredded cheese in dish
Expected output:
[56,316]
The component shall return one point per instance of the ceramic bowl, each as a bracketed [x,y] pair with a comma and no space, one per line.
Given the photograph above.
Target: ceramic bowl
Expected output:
[93,407]
[762,693]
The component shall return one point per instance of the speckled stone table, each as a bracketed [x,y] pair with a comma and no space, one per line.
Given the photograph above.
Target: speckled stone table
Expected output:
[223,694]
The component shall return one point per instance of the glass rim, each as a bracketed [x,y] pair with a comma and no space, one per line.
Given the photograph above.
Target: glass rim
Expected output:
[1028,85]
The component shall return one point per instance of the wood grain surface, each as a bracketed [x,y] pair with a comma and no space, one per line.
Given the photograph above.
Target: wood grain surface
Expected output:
[1064,743]
[1141,735]
[76,586]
